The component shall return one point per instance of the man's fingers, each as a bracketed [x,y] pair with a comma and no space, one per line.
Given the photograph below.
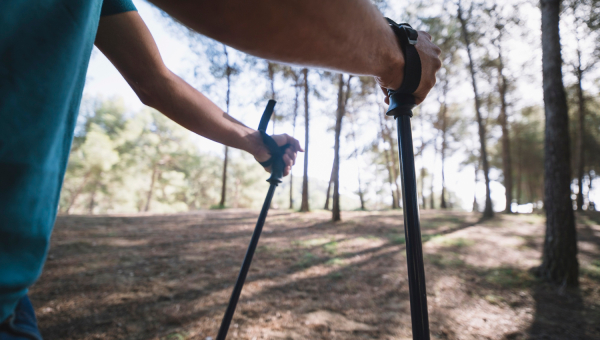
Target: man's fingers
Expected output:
[287,160]
[385,93]
[291,154]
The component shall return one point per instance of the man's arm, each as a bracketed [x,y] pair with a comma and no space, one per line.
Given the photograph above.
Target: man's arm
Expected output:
[128,44]
[344,35]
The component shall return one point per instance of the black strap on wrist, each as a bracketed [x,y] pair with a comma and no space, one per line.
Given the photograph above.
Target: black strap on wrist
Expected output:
[275,150]
[276,161]
[401,100]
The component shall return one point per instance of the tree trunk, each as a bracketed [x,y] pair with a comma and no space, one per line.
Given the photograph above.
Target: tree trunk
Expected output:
[335,173]
[423,198]
[151,190]
[475,204]
[591,204]
[271,71]
[328,193]
[421,152]
[506,159]
[341,111]
[228,71]
[361,195]
[443,151]
[388,165]
[580,134]
[297,88]
[395,166]
[304,207]
[224,178]
[488,210]
[93,199]
[78,192]
[559,259]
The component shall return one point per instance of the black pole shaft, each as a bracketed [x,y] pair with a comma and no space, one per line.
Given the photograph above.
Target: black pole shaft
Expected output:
[412,231]
[239,283]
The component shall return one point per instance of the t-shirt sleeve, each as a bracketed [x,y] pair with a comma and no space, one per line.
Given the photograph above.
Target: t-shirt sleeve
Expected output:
[110,7]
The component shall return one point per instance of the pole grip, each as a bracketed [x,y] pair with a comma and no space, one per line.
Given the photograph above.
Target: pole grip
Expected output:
[276,161]
[401,100]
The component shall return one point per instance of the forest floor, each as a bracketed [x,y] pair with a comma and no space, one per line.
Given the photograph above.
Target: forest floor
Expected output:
[170,277]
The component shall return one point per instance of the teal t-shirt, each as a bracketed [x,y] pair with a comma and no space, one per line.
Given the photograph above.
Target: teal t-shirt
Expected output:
[45,47]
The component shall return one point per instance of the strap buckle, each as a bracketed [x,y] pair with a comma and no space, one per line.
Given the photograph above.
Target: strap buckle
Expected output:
[408,34]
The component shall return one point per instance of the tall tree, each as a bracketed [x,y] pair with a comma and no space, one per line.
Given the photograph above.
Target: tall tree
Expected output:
[295,76]
[304,206]
[559,257]
[228,70]
[343,95]
[488,210]
[356,153]
[221,67]
[389,160]
[583,14]
[501,25]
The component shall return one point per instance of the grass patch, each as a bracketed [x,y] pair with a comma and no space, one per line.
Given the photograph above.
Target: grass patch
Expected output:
[427,237]
[506,277]
[335,275]
[494,299]
[265,249]
[311,242]
[444,261]
[454,242]
[397,238]
[331,247]
[306,260]
[175,336]
[592,271]
[336,261]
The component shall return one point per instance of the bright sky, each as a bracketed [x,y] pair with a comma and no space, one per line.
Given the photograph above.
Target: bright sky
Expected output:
[104,80]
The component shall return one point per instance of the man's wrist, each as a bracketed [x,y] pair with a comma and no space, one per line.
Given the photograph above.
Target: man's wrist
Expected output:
[391,73]
[256,147]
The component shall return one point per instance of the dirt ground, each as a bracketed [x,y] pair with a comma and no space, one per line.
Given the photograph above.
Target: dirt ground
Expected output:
[170,277]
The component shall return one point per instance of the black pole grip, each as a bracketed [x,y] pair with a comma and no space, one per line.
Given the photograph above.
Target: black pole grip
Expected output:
[277,152]
[402,100]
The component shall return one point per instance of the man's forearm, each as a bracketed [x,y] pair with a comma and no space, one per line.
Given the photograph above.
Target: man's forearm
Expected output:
[344,35]
[183,104]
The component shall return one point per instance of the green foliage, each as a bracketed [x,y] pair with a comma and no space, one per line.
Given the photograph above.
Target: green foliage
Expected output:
[139,162]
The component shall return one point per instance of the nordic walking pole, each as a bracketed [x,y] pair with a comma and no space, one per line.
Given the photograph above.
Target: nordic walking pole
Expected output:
[401,104]
[277,166]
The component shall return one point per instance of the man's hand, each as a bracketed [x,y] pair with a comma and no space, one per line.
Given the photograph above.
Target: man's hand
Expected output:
[261,153]
[430,64]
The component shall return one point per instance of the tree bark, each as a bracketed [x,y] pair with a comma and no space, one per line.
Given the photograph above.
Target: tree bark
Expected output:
[151,190]
[580,133]
[328,193]
[93,199]
[78,192]
[444,117]
[271,71]
[297,88]
[559,258]
[389,166]
[361,195]
[475,204]
[506,159]
[341,111]
[304,207]
[488,210]
[228,71]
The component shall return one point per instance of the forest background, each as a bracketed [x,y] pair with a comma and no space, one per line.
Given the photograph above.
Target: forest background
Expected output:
[127,158]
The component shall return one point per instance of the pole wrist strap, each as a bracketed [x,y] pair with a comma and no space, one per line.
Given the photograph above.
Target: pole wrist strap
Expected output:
[401,100]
